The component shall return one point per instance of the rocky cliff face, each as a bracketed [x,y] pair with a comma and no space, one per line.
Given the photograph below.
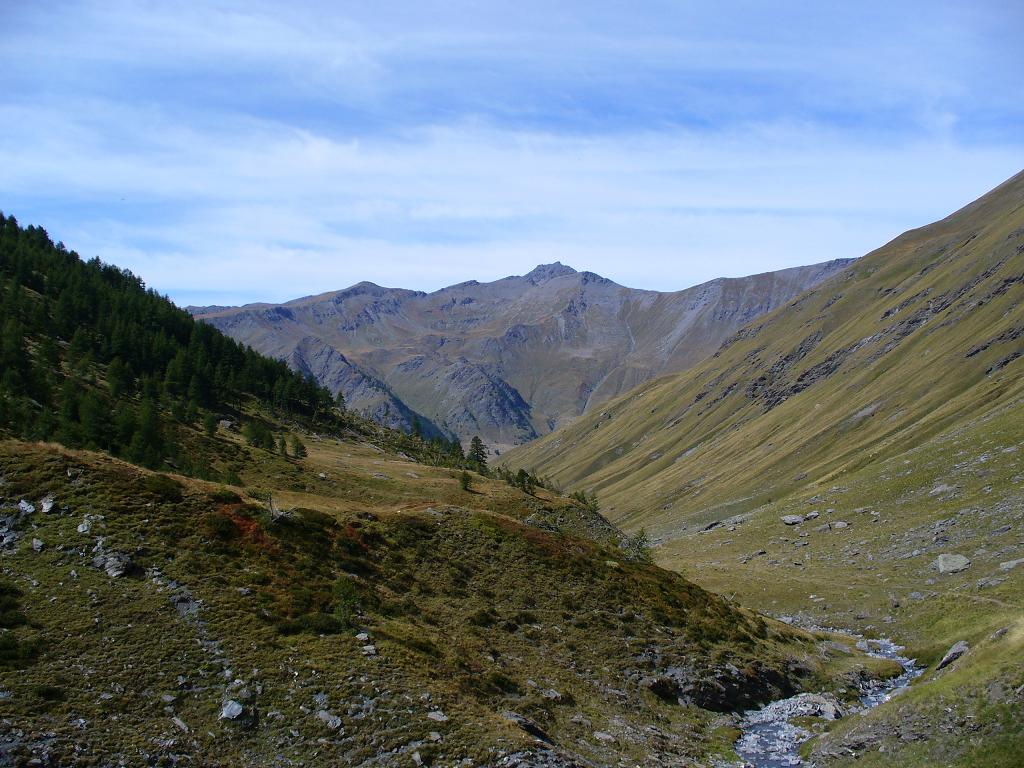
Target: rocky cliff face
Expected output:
[508,360]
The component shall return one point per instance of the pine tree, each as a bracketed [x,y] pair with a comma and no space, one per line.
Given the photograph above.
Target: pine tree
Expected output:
[477,452]
[147,446]
[298,449]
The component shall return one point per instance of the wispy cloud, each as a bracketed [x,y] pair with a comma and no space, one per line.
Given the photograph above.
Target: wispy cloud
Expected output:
[246,152]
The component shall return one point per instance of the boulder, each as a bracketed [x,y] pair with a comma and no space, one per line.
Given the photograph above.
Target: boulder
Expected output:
[115,564]
[792,519]
[525,724]
[231,710]
[437,716]
[1009,565]
[949,563]
[330,720]
[955,652]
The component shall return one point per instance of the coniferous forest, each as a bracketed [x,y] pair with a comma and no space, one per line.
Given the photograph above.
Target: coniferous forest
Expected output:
[91,358]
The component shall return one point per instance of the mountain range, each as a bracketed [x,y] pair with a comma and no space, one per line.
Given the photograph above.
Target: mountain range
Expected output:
[509,360]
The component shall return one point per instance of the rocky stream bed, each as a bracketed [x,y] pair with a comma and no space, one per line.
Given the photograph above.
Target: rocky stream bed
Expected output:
[771,740]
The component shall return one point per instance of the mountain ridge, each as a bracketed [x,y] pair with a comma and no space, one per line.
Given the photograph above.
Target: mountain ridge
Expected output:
[511,359]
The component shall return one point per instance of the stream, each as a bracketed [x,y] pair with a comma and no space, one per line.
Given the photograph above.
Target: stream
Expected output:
[770,740]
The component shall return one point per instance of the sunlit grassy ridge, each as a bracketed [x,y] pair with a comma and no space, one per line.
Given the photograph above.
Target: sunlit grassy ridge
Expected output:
[888,406]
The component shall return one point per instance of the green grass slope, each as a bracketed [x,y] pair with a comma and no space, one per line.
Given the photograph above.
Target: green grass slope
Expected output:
[883,414]
[388,614]
[915,337]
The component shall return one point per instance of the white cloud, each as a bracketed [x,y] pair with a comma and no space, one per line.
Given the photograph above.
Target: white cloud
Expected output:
[243,151]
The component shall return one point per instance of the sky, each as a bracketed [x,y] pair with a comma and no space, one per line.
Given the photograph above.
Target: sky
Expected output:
[230,152]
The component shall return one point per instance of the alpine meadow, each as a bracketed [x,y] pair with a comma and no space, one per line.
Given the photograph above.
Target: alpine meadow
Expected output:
[673,414]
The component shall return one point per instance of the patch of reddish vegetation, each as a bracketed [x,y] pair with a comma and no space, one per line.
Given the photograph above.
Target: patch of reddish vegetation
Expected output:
[250,529]
[353,538]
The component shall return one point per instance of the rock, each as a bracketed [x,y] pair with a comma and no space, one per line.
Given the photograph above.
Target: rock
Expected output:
[115,564]
[37,545]
[46,504]
[552,695]
[955,652]
[664,687]
[331,721]
[812,515]
[25,507]
[437,716]
[180,724]
[86,525]
[607,738]
[792,519]
[838,525]
[226,424]
[989,581]
[321,475]
[363,637]
[1009,565]
[949,563]
[527,725]
[369,650]
[231,710]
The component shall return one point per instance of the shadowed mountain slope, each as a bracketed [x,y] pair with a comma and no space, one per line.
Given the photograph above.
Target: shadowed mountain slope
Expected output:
[509,360]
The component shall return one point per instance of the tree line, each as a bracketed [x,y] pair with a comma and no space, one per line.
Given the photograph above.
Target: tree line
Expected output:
[93,358]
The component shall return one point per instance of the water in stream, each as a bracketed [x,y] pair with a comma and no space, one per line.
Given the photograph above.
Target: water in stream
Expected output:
[770,740]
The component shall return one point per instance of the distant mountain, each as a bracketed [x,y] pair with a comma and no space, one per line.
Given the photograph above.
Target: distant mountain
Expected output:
[508,360]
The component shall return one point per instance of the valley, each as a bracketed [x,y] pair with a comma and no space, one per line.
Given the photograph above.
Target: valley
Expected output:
[240,568]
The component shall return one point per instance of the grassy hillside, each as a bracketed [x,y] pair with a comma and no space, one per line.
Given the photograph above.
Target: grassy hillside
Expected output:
[882,414]
[913,338]
[388,612]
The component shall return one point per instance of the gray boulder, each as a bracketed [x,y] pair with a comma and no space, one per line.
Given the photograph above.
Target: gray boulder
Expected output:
[955,652]
[792,519]
[948,563]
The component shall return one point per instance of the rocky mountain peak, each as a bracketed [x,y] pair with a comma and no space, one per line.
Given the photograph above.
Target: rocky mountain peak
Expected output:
[544,272]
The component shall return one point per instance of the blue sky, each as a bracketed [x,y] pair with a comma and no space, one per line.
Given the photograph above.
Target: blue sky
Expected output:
[243,151]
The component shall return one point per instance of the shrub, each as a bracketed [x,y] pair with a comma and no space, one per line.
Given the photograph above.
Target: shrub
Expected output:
[225,496]
[164,488]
